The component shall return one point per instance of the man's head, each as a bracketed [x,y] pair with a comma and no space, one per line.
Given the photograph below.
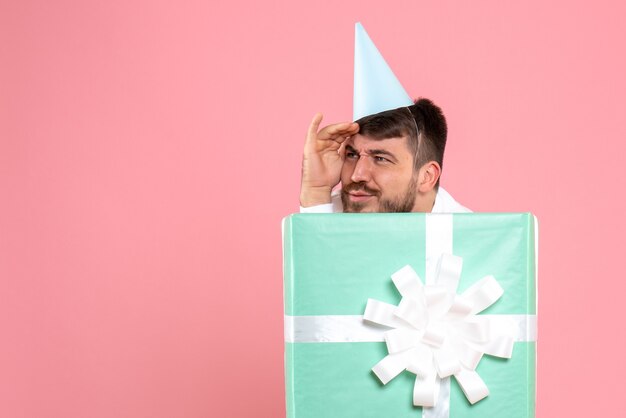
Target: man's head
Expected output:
[394,163]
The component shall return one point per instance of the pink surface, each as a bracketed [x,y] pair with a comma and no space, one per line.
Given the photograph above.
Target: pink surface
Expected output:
[149,149]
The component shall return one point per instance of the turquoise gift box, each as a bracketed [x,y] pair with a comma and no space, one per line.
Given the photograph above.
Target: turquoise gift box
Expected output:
[334,263]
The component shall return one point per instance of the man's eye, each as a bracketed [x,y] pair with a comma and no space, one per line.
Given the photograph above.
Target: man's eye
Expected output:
[380,159]
[351,155]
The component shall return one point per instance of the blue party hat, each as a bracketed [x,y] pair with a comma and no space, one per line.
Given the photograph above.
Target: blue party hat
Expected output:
[376,88]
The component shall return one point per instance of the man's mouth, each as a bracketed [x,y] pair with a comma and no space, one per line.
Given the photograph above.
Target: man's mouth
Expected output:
[359,196]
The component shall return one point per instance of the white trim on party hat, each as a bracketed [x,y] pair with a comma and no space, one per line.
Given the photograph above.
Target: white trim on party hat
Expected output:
[376,88]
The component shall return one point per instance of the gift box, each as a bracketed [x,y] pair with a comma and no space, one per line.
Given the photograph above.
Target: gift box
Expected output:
[409,315]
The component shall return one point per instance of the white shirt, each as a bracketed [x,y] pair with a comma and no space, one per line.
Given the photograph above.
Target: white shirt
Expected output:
[444,203]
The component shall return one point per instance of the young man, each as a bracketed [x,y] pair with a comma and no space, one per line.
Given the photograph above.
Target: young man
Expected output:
[386,162]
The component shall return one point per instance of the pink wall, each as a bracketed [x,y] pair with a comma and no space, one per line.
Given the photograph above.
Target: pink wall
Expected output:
[149,149]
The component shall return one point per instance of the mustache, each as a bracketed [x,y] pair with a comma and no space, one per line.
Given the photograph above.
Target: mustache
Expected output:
[359,187]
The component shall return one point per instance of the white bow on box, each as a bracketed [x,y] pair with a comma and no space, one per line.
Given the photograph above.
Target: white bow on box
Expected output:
[436,332]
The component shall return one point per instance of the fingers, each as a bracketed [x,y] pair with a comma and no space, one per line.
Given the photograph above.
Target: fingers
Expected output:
[342,151]
[336,133]
[315,125]
[342,128]
[339,131]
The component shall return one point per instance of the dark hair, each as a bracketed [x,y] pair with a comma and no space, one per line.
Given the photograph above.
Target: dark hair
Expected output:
[428,143]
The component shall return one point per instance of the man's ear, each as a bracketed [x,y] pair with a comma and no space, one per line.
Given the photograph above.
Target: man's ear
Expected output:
[428,176]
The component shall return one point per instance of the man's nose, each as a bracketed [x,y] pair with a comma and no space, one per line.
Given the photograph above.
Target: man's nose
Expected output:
[362,170]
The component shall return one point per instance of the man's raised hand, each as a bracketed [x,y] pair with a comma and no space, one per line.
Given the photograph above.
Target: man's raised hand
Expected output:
[322,160]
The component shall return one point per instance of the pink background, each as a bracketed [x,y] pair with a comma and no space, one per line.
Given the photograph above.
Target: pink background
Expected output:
[149,149]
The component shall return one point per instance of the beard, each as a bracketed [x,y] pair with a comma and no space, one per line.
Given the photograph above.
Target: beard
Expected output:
[402,203]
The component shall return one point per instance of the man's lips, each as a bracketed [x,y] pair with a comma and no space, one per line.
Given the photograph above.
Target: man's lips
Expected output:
[359,196]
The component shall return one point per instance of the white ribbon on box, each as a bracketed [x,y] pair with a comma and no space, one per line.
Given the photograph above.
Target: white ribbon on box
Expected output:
[437,334]
[433,332]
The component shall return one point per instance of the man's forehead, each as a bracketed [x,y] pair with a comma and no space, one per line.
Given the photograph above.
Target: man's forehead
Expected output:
[364,143]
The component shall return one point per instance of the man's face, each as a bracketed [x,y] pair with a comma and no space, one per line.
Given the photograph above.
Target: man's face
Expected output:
[377,175]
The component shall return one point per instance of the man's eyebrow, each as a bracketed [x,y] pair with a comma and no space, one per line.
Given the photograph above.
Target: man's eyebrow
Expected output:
[382,152]
[372,152]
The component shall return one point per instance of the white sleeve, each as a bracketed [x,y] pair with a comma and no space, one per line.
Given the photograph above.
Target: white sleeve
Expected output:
[335,205]
[323,208]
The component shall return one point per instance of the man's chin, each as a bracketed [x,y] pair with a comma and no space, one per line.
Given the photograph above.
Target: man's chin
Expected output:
[352,207]
[360,204]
